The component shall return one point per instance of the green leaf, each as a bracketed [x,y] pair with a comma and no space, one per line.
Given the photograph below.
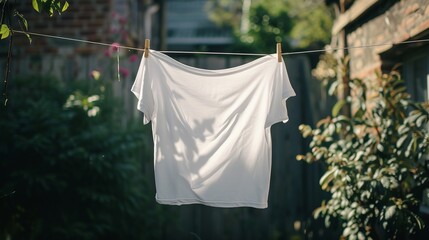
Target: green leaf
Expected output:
[4,31]
[390,212]
[35,5]
[342,119]
[413,116]
[21,20]
[327,178]
[411,148]
[359,113]
[29,37]
[318,211]
[65,6]
[419,221]
[337,107]
[380,147]
[347,231]
[305,130]
[327,221]
[333,88]
[23,24]
[51,11]
[420,120]
[401,141]
[403,129]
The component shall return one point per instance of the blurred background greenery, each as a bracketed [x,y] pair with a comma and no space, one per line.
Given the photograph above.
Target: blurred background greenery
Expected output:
[69,168]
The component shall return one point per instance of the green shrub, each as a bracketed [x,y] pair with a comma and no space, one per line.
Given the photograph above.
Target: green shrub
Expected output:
[377,166]
[68,174]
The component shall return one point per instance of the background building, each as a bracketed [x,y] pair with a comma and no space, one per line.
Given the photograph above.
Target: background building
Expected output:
[387,22]
[189,28]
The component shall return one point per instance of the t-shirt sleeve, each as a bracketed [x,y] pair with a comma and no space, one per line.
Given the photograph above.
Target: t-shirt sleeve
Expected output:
[142,89]
[281,91]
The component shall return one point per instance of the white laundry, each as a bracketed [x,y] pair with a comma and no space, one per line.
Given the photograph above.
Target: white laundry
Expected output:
[211,128]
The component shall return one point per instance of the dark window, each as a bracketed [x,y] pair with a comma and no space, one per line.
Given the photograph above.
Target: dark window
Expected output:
[416,74]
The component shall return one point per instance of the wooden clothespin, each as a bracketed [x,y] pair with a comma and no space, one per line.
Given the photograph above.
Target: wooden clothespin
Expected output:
[146,48]
[279,52]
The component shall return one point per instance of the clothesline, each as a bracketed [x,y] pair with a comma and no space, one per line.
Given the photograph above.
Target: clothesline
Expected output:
[222,53]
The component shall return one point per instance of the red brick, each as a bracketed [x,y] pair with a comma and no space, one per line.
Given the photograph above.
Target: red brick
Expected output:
[411,9]
[403,36]
[420,28]
[408,22]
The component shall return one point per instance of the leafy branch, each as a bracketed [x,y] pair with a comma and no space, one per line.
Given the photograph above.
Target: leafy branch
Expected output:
[49,7]
[8,11]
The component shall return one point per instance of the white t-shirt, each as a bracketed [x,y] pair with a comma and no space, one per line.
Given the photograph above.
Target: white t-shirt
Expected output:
[211,128]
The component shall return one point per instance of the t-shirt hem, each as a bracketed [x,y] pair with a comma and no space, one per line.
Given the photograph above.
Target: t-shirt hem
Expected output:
[282,119]
[288,94]
[222,204]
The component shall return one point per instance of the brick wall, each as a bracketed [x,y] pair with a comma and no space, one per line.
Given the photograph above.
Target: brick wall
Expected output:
[404,20]
[88,20]
[104,21]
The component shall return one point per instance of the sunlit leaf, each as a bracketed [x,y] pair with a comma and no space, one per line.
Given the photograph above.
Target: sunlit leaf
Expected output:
[327,178]
[346,231]
[337,107]
[421,120]
[327,221]
[390,212]
[333,88]
[380,147]
[305,130]
[401,141]
[413,116]
[51,11]
[323,121]
[341,119]
[419,221]
[4,31]
[29,37]
[403,129]
[331,129]
[318,211]
[35,4]
[65,6]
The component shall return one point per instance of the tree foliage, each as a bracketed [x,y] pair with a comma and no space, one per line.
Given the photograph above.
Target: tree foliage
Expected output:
[376,160]
[266,27]
[295,23]
[69,172]
[312,24]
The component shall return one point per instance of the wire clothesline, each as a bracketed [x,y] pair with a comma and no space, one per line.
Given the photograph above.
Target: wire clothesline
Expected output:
[222,53]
